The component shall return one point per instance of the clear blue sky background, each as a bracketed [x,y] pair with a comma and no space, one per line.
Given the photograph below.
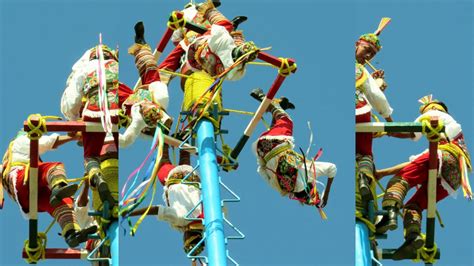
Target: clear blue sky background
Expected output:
[426,49]
[40,40]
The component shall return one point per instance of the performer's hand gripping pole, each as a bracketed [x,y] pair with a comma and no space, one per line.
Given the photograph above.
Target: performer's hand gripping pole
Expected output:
[287,66]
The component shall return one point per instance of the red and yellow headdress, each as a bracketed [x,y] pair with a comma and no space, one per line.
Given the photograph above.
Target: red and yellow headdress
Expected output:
[373,38]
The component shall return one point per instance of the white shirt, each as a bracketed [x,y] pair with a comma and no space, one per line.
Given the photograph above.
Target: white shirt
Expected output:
[71,101]
[267,171]
[452,128]
[180,199]
[134,129]
[375,96]
[21,147]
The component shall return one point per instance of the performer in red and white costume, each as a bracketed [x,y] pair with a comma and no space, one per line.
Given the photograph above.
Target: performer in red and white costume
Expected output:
[213,51]
[146,106]
[368,91]
[454,162]
[180,198]
[368,95]
[54,194]
[284,169]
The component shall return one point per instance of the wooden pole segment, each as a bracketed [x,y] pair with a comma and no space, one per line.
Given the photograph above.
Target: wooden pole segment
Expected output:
[63,253]
[73,126]
[432,184]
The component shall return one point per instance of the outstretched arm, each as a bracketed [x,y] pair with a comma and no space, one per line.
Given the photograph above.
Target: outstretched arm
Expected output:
[83,198]
[134,129]
[329,170]
[379,174]
[153,211]
[325,199]
[64,139]
[400,135]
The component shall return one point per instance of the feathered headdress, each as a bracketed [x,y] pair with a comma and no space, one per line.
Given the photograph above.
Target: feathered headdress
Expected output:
[372,38]
[428,101]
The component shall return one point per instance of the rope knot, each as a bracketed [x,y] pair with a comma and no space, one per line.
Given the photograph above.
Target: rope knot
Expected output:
[176,20]
[37,125]
[433,134]
[286,67]
[38,253]
[426,254]
[124,120]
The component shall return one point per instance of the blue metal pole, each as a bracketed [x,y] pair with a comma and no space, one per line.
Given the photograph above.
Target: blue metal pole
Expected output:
[362,245]
[113,234]
[213,221]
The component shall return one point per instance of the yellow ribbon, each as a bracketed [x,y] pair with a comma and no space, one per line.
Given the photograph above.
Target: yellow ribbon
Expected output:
[153,180]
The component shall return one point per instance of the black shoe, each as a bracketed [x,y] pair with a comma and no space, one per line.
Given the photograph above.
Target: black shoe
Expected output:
[238,20]
[216,3]
[74,238]
[58,193]
[286,104]
[140,33]
[388,222]
[191,239]
[257,94]
[103,189]
[409,248]
[364,188]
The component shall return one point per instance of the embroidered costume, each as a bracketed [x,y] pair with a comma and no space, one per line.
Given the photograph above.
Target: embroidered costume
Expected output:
[92,95]
[54,195]
[211,52]
[284,169]
[453,163]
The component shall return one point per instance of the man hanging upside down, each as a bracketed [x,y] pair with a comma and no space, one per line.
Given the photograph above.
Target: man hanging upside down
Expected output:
[180,198]
[54,193]
[212,52]
[284,169]
[148,103]
[453,161]
[147,110]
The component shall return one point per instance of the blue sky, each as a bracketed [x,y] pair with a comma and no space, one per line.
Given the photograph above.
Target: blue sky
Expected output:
[40,40]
